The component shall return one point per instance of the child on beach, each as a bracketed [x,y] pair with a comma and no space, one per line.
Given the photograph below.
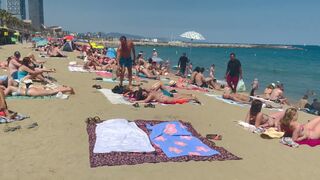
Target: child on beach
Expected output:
[254,86]
[212,69]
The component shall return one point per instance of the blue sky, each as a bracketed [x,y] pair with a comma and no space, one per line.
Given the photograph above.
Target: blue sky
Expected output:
[229,21]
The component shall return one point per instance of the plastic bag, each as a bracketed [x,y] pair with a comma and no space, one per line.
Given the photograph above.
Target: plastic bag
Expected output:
[241,87]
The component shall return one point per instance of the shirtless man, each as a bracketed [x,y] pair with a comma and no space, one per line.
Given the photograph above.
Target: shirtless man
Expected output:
[277,95]
[242,98]
[203,82]
[124,59]
[56,52]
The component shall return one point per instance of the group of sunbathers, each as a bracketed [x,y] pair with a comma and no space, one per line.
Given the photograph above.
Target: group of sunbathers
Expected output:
[286,121]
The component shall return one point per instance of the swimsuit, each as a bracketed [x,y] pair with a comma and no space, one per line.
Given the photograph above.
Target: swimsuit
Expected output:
[166,93]
[22,74]
[126,62]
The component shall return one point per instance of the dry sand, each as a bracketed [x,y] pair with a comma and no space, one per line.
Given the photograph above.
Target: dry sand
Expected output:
[58,148]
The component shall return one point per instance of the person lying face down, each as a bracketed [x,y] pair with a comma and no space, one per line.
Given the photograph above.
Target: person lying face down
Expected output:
[292,128]
[163,96]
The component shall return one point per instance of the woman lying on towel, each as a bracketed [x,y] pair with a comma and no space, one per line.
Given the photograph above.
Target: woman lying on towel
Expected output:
[299,132]
[259,119]
[156,96]
[29,90]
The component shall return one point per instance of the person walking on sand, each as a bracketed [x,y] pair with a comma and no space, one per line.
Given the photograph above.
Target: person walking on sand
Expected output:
[182,64]
[234,72]
[124,59]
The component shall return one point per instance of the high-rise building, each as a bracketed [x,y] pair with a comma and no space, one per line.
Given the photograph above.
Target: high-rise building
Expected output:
[36,13]
[17,8]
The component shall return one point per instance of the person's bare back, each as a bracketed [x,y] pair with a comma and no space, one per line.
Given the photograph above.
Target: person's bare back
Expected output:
[199,79]
[125,51]
[276,94]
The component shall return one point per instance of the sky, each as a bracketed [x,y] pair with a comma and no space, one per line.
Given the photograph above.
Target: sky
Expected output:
[220,21]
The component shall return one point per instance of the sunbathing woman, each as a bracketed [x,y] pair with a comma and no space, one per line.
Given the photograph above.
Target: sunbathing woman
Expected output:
[26,71]
[29,90]
[242,98]
[142,69]
[259,119]
[297,131]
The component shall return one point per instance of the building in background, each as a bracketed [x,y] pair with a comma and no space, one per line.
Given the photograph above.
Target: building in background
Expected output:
[17,8]
[36,13]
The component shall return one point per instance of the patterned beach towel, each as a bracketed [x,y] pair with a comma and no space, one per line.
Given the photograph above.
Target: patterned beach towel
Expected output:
[132,158]
[175,140]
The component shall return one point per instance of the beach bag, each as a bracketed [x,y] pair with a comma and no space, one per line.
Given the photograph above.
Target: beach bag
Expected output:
[241,87]
[118,90]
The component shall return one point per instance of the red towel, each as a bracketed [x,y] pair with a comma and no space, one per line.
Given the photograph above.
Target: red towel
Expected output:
[310,142]
[104,74]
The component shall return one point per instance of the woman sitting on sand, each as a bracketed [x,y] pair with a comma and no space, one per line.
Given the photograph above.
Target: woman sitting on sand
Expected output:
[26,71]
[297,131]
[29,90]
[259,119]
[141,68]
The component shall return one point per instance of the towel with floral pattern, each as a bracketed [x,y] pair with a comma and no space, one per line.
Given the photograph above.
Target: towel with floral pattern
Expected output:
[175,140]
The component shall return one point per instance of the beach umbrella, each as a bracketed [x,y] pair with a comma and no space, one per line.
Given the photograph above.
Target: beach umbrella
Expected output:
[69,37]
[156,59]
[192,35]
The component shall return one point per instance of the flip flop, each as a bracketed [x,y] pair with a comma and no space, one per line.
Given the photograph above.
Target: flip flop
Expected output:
[33,125]
[215,137]
[98,78]
[150,105]
[8,129]
[97,86]
[136,105]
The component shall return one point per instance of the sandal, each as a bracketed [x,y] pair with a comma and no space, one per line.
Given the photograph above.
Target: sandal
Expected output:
[214,137]
[136,105]
[33,125]
[174,91]
[150,105]
[98,78]
[97,86]
[97,119]
[7,129]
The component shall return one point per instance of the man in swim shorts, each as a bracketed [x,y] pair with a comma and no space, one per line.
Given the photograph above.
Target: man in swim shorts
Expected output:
[124,59]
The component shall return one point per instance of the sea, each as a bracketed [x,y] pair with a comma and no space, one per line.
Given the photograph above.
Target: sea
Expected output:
[298,69]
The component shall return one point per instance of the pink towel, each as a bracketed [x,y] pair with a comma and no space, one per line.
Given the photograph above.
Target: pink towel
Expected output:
[104,74]
[310,142]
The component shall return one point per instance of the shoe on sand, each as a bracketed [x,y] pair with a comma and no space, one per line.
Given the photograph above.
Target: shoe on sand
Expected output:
[8,129]
[33,125]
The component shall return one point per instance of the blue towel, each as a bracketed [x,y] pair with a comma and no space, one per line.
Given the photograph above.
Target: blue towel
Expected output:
[175,140]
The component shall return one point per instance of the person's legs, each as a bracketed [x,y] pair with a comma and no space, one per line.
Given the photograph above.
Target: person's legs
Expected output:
[130,76]
[229,82]
[121,71]
[234,81]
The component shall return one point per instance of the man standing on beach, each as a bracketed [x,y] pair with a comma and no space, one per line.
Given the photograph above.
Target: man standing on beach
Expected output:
[234,72]
[182,64]
[124,59]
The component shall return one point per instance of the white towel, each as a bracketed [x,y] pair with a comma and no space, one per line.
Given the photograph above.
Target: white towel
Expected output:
[113,97]
[119,135]
[228,101]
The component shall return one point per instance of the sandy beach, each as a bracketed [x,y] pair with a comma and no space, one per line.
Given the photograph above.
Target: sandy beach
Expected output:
[58,148]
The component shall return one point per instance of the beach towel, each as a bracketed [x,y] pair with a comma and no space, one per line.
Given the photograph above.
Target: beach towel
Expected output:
[132,158]
[109,80]
[80,69]
[29,97]
[104,74]
[310,142]
[228,101]
[119,135]
[175,140]
[114,98]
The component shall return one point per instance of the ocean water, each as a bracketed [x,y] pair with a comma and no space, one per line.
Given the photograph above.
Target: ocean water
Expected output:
[298,70]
